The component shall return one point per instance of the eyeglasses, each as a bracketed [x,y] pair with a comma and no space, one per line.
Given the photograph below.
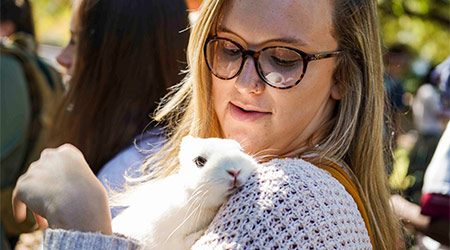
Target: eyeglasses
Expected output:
[278,66]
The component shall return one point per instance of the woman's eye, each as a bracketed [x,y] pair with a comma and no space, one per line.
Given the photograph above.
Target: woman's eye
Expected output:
[231,51]
[284,62]
[200,161]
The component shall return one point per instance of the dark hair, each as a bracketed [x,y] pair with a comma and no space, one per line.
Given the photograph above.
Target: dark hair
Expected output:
[128,54]
[19,12]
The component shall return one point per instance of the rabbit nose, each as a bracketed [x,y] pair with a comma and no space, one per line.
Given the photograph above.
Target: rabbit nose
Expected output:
[234,173]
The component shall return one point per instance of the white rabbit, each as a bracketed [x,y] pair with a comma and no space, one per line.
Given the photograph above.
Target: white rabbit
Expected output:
[174,212]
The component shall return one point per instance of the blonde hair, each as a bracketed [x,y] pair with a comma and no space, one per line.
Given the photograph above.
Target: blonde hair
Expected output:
[356,135]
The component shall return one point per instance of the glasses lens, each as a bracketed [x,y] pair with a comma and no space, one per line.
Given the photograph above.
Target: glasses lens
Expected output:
[223,57]
[281,67]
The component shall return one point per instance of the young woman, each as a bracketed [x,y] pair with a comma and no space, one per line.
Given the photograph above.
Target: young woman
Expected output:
[121,64]
[292,81]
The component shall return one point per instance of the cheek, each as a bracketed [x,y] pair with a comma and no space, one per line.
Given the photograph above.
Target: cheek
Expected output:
[293,113]
[298,107]
[71,53]
[220,92]
[315,88]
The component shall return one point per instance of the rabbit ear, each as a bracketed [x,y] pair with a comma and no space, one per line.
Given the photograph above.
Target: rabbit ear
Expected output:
[187,141]
[186,146]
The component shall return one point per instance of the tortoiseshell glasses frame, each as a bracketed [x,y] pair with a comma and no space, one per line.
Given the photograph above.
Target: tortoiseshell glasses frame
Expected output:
[306,58]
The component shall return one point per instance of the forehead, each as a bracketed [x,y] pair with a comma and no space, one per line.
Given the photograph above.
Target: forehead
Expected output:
[305,22]
[74,21]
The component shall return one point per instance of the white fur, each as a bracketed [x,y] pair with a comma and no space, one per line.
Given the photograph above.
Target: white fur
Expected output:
[174,212]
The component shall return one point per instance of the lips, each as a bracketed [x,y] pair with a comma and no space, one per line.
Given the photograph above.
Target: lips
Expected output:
[245,114]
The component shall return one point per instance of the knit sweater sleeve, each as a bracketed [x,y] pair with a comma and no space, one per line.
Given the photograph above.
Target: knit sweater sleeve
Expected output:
[288,204]
[59,239]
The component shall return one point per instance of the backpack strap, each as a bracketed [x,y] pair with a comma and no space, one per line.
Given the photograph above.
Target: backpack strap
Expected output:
[339,174]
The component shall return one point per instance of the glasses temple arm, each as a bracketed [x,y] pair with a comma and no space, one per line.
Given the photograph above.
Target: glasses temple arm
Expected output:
[320,56]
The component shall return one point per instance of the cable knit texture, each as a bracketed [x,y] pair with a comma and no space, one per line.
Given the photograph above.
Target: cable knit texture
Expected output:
[286,204]
[58,239]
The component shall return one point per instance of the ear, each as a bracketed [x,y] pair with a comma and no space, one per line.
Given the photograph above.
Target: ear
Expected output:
[185,145]
[337,91]
[187,142]
[187,139]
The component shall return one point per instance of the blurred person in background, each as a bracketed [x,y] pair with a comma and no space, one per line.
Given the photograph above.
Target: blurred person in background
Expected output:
[121,64]
[30,92]
[427,119]
[432,217]
[442,75]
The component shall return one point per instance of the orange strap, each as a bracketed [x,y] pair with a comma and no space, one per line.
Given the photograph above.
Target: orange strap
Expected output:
[350,187]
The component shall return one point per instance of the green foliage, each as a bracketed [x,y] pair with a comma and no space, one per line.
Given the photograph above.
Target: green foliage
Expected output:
[399,180]
[423,25]
[52,21]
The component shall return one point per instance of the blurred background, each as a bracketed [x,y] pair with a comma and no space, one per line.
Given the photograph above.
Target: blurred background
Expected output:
[423,26]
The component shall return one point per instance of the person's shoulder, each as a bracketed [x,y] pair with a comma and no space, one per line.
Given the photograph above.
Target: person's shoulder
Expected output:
[10,64]
[293,170]
[302,181]
[12,75]
[288,202]
[427,91]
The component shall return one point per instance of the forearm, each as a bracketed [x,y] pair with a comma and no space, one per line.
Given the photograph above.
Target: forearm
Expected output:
[414,218]
[411,216]
[85,215]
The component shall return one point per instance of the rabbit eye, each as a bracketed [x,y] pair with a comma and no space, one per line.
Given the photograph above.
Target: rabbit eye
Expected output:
[200,161]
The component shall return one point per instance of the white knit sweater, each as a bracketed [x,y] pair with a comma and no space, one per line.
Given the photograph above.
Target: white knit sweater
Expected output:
[287,204]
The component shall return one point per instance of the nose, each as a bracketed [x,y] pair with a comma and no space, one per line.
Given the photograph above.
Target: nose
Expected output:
[234,173]
[65,59]
[248,80]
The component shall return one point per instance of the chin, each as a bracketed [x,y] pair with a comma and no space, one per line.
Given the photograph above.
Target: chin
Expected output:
[252,138]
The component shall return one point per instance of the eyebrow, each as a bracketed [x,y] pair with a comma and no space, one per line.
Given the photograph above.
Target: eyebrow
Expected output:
[289,40]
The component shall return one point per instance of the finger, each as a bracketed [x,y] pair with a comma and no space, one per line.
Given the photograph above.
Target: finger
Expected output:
[18,206]
[41,221]
[47,151]
[19,209]
[33,165]
[67,147]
